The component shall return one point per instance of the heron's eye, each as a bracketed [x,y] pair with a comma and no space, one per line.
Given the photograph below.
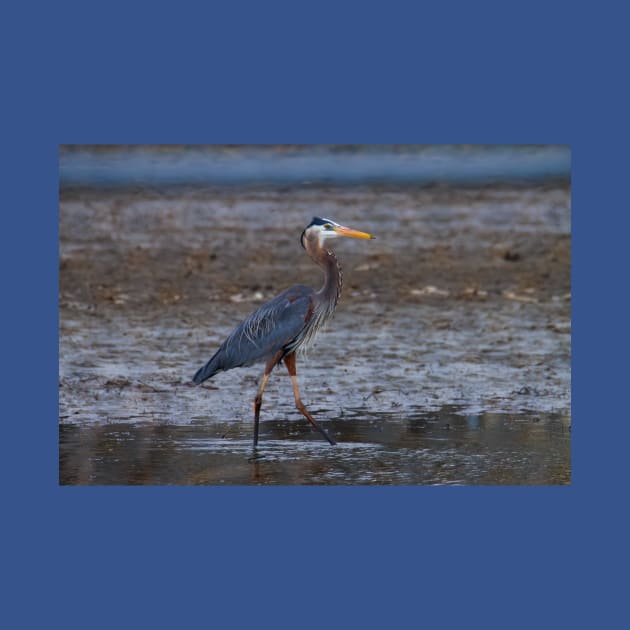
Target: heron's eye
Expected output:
[327,226]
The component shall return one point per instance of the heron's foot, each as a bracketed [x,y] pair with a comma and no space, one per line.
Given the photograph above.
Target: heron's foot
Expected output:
[330,440]
[255,457]
[304,411]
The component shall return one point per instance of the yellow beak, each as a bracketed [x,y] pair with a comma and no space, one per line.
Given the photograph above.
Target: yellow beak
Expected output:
[345,231]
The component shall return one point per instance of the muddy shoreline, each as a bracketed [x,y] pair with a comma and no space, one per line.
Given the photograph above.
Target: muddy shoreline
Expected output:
[463,300]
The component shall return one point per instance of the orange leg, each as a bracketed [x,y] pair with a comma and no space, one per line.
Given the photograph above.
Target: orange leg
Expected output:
[258,400]
[289,361]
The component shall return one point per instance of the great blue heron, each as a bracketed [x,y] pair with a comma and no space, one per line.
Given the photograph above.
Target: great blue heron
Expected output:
[289,321]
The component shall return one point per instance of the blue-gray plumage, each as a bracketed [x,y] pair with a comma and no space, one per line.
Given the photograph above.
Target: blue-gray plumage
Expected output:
[276,326]
[289,321]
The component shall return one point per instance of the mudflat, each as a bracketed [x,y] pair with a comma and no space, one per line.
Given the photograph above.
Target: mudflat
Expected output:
[458,314]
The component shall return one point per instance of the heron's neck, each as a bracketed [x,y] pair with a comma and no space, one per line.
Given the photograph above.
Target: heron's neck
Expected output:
[333,280]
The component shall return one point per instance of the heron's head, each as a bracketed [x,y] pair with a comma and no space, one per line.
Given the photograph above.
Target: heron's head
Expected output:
[321,230]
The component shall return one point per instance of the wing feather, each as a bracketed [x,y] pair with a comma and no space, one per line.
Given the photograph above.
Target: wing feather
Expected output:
[271,328]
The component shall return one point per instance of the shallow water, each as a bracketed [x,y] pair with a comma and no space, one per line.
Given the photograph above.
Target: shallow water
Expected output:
[443,447]
[291,164]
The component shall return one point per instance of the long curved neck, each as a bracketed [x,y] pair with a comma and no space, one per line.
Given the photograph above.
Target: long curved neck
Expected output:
[331,289]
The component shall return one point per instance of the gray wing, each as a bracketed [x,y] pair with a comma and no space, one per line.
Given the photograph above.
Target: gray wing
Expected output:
[275,326]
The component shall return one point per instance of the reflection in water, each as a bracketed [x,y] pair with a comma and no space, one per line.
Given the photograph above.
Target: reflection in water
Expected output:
[374,448]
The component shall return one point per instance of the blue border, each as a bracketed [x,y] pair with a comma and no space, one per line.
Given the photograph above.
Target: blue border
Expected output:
[358,557]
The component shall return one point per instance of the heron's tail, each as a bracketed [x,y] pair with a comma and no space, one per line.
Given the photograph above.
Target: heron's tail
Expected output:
[207,371]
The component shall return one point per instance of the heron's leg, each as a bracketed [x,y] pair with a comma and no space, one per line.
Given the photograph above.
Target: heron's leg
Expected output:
[258,400]
[289,361]
[258,404]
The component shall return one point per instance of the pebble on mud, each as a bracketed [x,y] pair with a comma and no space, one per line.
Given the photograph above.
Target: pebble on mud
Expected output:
[430,290]
[510,295]
[475,292]
[254,297]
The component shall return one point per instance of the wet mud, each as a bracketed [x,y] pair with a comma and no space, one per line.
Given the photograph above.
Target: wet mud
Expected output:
[447,361]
